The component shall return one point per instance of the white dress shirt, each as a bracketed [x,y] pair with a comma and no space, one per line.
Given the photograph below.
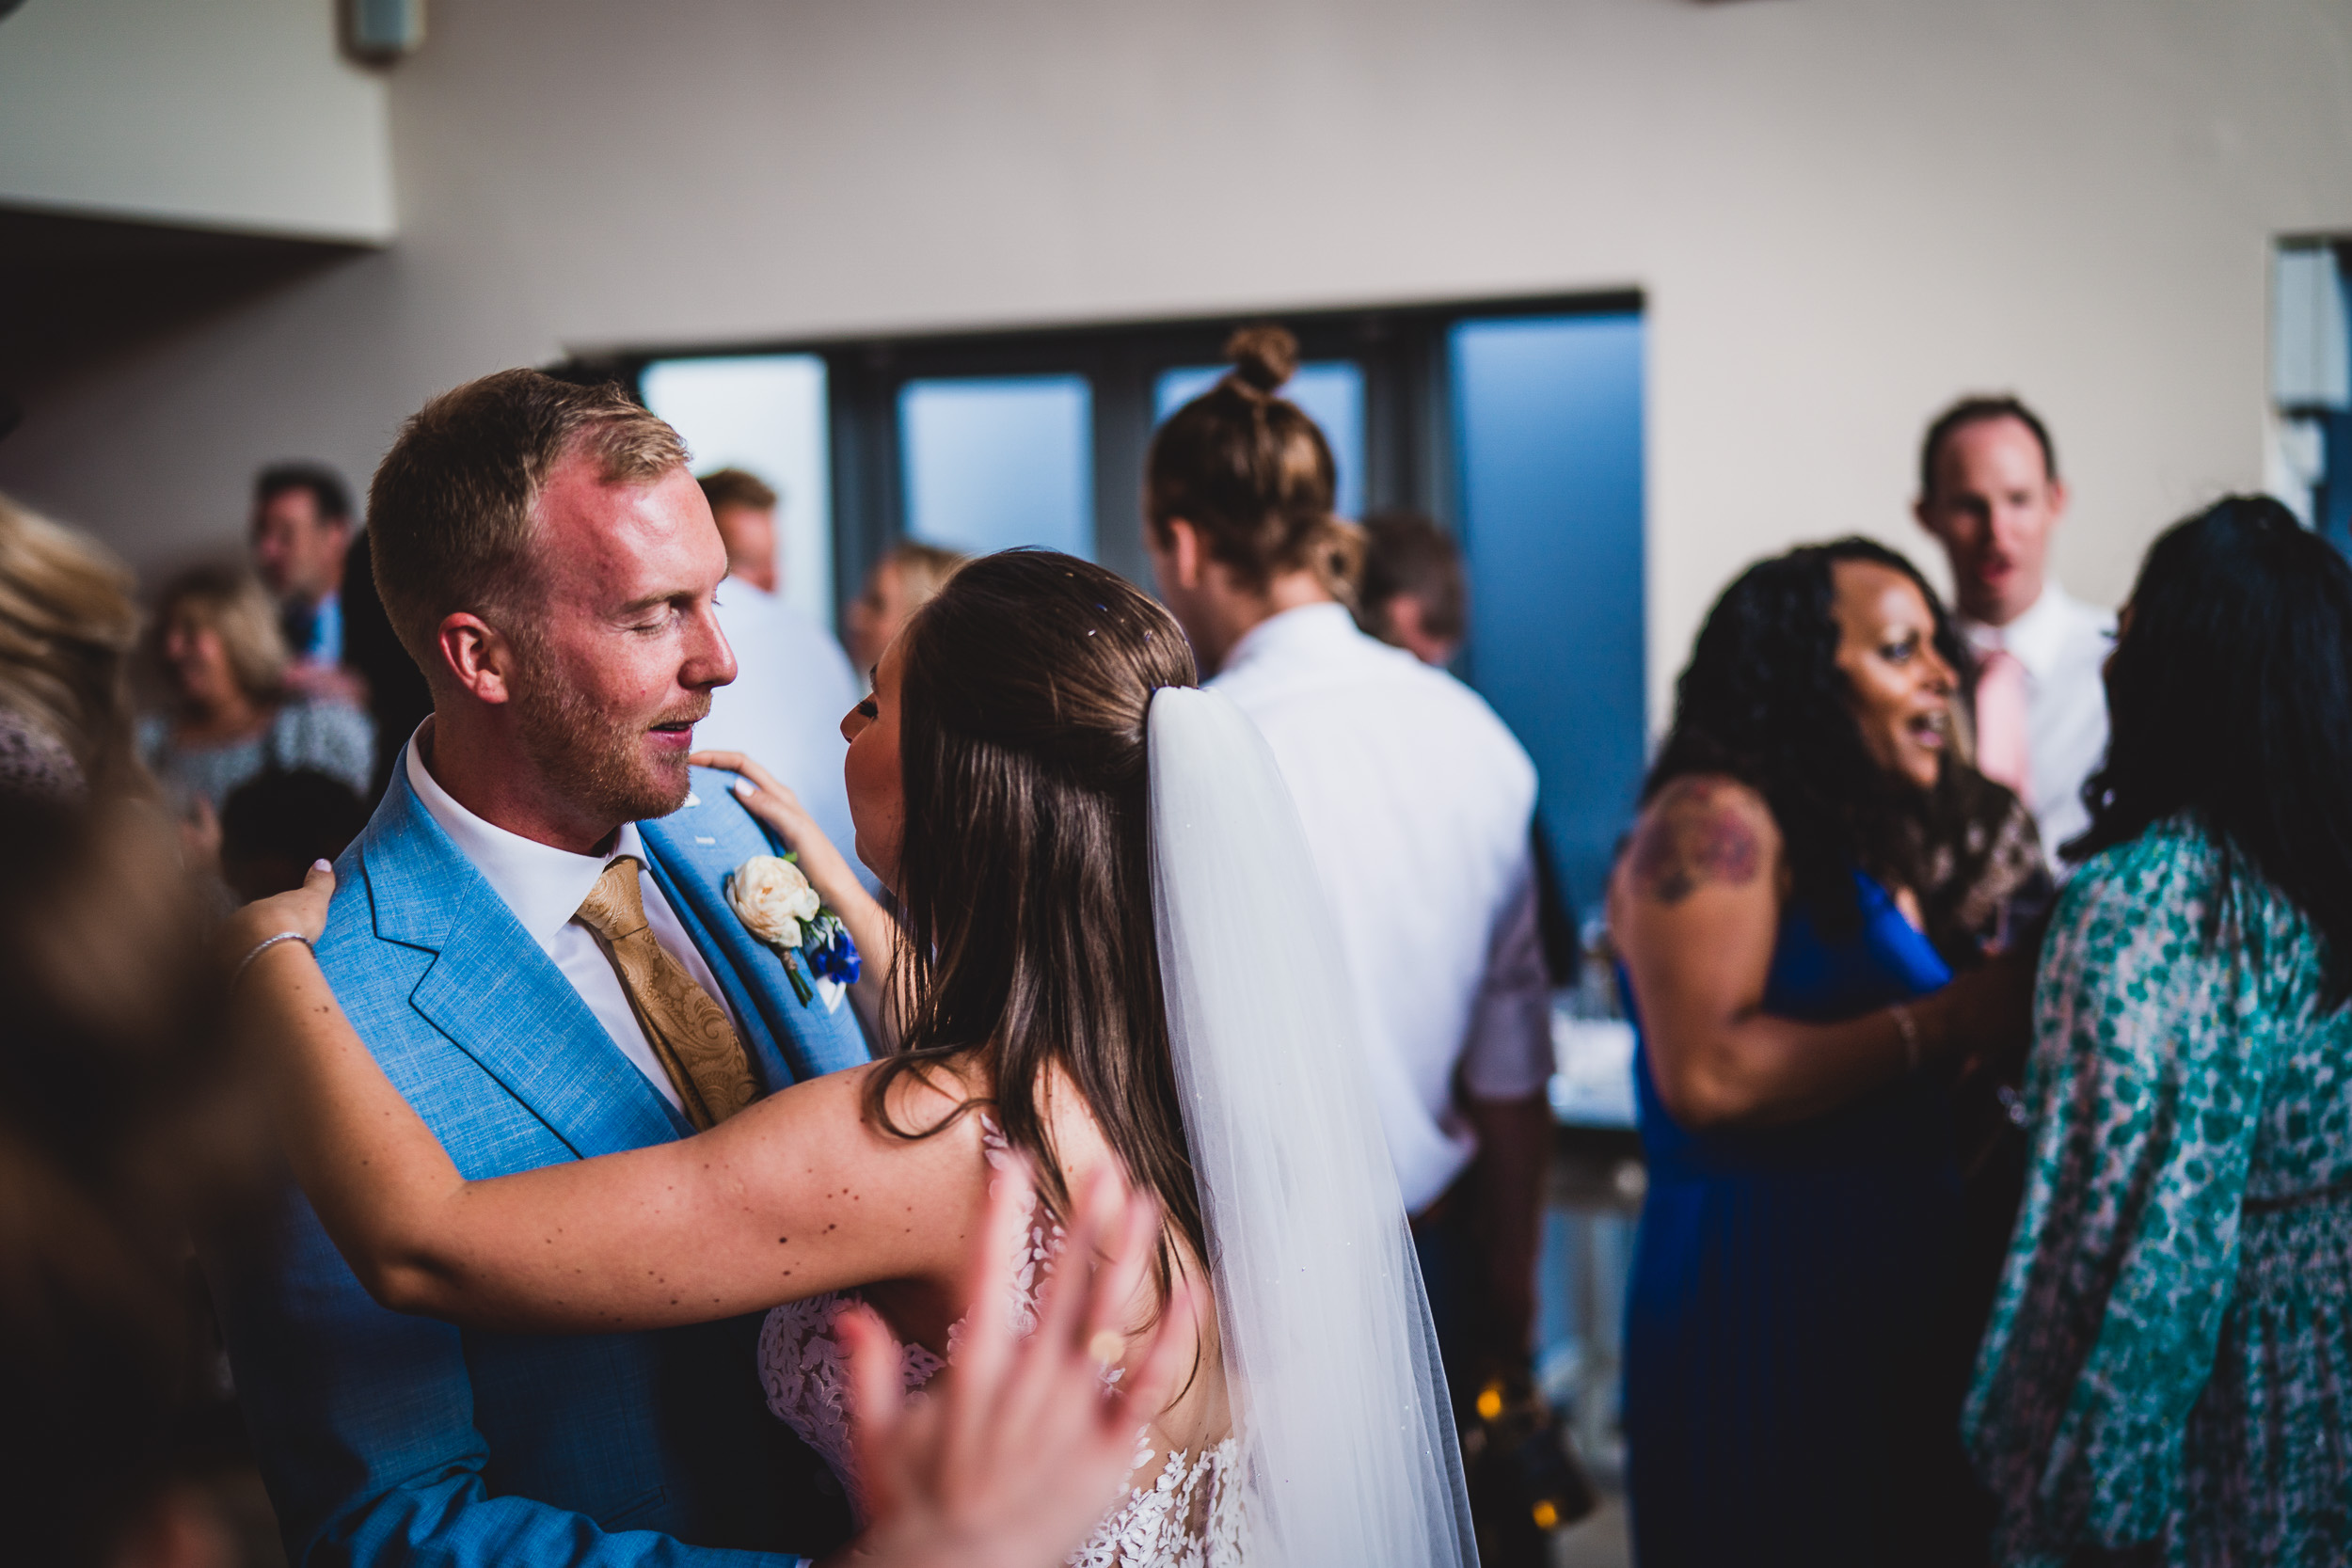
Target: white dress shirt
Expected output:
[1417,803]
[793,686]
[2061,642]
[544,886]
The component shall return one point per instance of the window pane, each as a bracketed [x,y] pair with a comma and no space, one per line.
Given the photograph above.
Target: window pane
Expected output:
[998,461]
[1548,419]
[765,413]
[1332,391]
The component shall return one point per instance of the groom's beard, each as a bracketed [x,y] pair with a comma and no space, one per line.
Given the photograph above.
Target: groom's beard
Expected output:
[599,758]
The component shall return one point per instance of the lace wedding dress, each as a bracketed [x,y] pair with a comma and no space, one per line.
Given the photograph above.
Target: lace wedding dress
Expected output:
[1344,1449]
[1187,1516]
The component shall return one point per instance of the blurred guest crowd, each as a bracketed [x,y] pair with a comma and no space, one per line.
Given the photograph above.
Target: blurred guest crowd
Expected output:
[1989,963]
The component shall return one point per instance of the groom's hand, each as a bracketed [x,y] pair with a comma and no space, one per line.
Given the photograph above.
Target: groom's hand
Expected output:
[1021,1449]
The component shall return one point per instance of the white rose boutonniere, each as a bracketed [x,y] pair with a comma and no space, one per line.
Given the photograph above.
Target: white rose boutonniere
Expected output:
[771,896]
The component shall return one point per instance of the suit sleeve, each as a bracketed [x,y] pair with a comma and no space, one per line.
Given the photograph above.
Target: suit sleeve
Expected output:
[364,1420]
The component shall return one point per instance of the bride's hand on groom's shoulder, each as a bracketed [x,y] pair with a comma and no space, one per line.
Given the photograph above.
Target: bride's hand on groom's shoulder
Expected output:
[773,802]
[1012,1458]
[302,912]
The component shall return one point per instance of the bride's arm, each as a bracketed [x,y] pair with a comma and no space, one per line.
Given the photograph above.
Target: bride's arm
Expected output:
[794,1195]
[870,926]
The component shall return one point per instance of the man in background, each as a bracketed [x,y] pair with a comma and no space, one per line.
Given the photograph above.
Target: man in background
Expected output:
[1990,492]
[301,533]
[793,683]
[909,574]
[1413,594]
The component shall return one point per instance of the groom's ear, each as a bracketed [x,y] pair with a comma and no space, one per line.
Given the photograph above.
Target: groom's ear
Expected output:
[477,656]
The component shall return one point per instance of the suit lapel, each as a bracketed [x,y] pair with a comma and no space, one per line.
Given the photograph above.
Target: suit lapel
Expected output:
[497,995]
[694,849]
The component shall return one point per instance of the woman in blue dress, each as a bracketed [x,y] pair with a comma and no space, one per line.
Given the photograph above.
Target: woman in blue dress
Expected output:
[1813,865]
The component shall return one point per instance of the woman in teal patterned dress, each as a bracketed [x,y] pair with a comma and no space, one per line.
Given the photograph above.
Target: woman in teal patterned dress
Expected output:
[2167,1376]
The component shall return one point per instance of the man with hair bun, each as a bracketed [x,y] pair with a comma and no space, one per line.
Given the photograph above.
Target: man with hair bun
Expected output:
[1417,804]
[1990,492]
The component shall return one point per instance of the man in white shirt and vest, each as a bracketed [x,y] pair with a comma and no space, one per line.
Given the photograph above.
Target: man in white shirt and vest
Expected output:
[1990,492]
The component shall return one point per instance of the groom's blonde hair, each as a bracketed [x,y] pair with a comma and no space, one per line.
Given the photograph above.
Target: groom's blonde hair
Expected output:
[452,510]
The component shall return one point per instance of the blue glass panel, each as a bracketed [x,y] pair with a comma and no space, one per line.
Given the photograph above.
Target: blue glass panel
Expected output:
[765,413]
[1548,433]
[1330,390]
[992,462]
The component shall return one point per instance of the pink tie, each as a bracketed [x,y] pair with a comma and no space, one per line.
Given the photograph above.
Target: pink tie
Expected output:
[2001,753]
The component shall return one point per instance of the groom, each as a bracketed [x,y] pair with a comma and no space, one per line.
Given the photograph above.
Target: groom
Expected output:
[533,938]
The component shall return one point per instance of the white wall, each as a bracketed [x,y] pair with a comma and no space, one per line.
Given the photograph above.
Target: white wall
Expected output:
[1842,212]
[235,114]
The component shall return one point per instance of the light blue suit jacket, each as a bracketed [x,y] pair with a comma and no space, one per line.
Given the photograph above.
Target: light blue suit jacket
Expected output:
[396,1440]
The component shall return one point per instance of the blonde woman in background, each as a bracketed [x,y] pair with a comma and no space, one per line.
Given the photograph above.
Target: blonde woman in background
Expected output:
[224,661]
[67,625]
[901,582]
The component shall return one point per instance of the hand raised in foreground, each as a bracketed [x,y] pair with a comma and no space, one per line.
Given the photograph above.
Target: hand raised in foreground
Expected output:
[1017,1453]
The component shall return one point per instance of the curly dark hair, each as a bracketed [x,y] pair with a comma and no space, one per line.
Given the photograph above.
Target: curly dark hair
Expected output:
[2230,700]
[1762,701]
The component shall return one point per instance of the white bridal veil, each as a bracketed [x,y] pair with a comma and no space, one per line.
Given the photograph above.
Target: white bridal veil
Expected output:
[1347,1442]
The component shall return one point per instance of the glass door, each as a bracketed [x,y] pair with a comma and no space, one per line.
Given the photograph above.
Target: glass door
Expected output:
[992,462]
[766,414]
[1548,442]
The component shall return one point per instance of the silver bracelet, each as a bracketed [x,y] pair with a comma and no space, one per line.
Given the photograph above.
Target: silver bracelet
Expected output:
[261,947]
[1908,1029]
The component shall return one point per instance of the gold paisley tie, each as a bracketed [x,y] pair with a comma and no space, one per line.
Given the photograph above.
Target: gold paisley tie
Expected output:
[688,1031]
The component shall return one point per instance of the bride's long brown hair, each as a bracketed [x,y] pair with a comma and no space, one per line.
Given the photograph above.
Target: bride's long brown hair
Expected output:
[1024,873]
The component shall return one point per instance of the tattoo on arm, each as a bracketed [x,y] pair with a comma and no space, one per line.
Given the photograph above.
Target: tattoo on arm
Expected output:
[1694,834]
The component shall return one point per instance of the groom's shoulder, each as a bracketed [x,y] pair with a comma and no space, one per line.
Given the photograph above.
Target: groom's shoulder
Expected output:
[712,832]
[396,891]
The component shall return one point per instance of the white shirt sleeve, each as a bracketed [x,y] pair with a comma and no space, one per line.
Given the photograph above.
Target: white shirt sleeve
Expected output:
[1508,1056]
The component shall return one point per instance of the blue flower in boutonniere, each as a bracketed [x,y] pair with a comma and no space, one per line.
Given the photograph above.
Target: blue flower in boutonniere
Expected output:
[773,898]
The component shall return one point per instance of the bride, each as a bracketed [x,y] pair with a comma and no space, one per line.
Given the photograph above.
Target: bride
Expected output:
[1116,964]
